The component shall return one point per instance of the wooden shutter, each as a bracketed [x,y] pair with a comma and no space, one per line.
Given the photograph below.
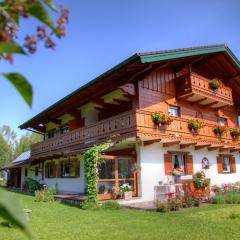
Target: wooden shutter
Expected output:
[220,164]
[168,163]
[189,164]
[233,164]
[59,174]
[77,168]
[46,170]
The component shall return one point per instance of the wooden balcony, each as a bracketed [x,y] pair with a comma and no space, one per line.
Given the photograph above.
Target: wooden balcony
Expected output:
[136,123]
[115,127]
[195,89]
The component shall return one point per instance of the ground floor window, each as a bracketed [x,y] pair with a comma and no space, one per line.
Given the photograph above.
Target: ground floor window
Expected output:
[68,169]
[179,162]
[113,173]
[50,170]
[226,164]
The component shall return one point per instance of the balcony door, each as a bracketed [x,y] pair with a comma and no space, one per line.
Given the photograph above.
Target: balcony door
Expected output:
[113,172]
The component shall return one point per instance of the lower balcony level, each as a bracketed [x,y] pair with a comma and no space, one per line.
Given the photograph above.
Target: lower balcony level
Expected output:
[135,124]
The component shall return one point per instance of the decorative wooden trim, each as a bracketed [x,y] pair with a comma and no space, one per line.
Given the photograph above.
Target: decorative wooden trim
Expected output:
[149,142]
[202,146]
[185,97]
[226,149]
[214,148]
[210,104]
[169,144]
[178,152]
[235,150]
[186,145]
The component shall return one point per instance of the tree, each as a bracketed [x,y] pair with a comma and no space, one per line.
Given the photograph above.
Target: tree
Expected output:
[25,142]
[6,151]
[11,14]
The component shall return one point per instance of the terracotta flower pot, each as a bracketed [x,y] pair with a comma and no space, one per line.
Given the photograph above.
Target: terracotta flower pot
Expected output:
[127,195]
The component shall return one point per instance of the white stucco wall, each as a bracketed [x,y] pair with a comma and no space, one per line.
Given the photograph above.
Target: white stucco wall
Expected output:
[63,185]
[151,158]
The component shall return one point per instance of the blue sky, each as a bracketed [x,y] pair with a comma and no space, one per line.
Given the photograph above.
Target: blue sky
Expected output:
[103,33]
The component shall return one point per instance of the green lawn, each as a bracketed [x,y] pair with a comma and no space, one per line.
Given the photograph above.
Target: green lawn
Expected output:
[57,221]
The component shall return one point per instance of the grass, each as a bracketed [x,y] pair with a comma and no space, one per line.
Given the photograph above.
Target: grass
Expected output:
[53,220]
[230,197]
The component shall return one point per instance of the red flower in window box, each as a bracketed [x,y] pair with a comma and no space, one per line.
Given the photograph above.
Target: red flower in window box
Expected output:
[162,118]
[219,130]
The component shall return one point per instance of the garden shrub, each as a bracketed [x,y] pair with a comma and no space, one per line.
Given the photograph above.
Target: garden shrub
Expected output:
[89,205]
[111,205]
[45,195]
[32,185]
[227,198]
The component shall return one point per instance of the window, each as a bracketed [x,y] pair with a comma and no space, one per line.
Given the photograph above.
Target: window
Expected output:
[226,164]
[64,129]
[50,134]
[238,119]
[174,110]
[36,171]
[26,172]
[50,170]
[222,121]
[179,162]
[68,169]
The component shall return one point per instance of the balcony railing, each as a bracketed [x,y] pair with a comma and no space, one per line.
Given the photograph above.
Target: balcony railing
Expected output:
[133,123]
[120,124]
[197,85]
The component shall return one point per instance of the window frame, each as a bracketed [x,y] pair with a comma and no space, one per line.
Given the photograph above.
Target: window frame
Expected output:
[73,163]
[184,161]
[48,166]
[229,163]
[222,118]
[177,108]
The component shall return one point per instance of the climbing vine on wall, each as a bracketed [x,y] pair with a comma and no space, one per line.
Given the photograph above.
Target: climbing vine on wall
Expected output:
[92,159]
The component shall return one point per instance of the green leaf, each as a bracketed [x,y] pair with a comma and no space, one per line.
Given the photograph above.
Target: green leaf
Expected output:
[22,85]
[51,4]
[11,47]
[11,211]
[38,11]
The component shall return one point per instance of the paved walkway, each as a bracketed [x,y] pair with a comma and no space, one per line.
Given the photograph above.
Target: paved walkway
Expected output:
[141,206]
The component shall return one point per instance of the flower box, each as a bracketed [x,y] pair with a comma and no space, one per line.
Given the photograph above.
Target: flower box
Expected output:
[162,119]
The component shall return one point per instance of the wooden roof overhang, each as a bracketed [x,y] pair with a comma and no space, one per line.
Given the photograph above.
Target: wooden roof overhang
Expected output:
[207,59]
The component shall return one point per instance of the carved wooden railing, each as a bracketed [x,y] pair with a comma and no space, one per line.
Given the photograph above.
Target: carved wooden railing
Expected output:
[120,124]
[200,85]
[136,122]
[178,128]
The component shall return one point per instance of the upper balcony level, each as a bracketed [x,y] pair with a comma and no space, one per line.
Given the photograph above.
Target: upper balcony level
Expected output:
[135,123]
[195,89]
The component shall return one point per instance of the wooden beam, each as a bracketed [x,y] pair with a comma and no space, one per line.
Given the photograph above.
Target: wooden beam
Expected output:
[169,144]
[103,104]
[185,97]
[210,104]
[214,148]
[235,150]
[75,113]
[40,128]
[120,101]
[199,101]
[56,121]
[202,146]
[149,142]
[186,145]
[226,149]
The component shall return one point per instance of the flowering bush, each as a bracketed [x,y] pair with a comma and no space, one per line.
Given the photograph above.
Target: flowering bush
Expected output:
[136,168]
[162,118]
[235,132]
[125,188]
[200,181]
[178,171]
[214,84]
[195,124]
[219,130]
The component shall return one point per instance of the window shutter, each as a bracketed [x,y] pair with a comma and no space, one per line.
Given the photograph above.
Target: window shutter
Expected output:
[77,169]
[219,164]
[59,170]
[233,163]
[46,170]
[189,164]
[168,163]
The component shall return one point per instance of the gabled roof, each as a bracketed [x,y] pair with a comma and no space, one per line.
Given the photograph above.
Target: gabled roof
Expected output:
[20,161]
[142,58]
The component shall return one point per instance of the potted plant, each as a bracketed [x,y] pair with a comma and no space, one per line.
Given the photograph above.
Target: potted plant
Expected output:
[194,125]
[235,132]
[126,191]
[214,84]
[219,130]
[162,118]
[200,181]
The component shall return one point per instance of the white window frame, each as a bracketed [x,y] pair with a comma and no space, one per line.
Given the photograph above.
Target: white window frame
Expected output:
[175,109]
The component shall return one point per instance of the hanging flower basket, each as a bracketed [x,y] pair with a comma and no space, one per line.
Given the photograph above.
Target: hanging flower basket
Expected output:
[162,118]
[235,132]
[195,125]
[214,84]
[219,130]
